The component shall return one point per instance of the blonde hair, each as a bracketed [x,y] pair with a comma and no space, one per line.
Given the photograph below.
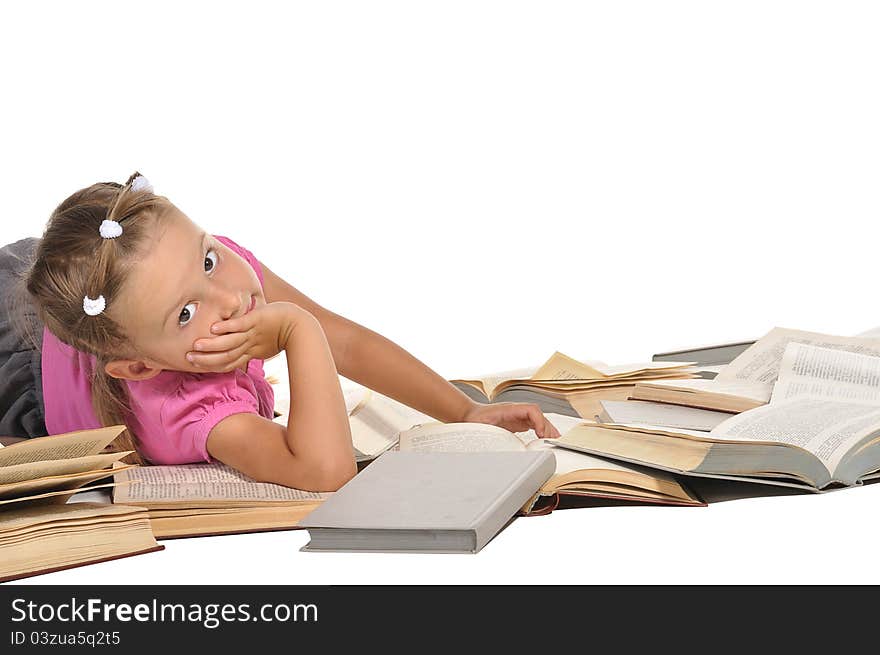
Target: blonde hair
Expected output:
[73,260]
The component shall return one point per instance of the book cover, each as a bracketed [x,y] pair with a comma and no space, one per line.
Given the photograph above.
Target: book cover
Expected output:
[428,502]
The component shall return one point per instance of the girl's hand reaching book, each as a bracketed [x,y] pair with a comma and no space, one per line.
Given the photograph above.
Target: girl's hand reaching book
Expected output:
[516,417]
[259,334]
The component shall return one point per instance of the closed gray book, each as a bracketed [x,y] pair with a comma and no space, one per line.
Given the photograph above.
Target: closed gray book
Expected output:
[428,502]
[714,355]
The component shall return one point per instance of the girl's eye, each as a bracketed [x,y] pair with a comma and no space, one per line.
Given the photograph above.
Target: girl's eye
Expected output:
[186,314]
[210,261]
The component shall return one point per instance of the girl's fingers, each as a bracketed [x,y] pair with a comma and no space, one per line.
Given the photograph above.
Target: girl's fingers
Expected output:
[218,361]
[550,431]
[221,343]
[240,324]
[536,418]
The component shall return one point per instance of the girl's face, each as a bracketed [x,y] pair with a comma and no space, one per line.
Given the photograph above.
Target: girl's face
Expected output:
[186,282]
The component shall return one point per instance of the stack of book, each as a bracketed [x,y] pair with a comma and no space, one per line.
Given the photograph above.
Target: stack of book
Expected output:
[40,531]
[795,409]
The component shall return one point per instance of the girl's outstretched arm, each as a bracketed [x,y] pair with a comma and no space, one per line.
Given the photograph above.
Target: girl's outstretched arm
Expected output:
[374,361]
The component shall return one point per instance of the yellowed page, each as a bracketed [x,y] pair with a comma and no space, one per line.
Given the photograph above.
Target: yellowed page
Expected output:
[644,369]
[42,469]
[587,403]
[245,519]
[57,495]
[491,381]
[209,483]
[677,453]
[33,515]
[22,525]
[54,482]
[753,390]
[60,446]
[563,367]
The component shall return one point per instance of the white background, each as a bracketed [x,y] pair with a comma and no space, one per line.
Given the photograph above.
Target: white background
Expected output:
[485,183]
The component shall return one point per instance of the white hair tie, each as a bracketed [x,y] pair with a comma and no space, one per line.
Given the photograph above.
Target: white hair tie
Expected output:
[140,183]
[94,307]
[110,229]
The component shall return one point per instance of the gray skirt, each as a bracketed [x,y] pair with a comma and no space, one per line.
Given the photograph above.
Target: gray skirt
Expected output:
[22,412]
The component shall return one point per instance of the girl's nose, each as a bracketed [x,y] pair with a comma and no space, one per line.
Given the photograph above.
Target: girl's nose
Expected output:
[229,302]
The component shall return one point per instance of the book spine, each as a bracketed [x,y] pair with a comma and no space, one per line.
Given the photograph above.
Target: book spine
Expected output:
[493,520]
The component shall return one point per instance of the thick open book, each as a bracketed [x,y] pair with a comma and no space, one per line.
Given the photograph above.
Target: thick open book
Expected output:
[189,500]
[747,381]
[39,533]
[576,478]
[563,385]
[820,430]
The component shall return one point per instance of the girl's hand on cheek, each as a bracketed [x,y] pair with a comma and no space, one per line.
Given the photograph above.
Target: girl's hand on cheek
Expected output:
[259,334]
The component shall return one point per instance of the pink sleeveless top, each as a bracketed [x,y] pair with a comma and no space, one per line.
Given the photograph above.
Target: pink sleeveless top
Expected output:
[172,413]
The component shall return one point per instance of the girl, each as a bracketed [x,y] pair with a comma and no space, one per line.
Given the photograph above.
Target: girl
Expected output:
[139,316]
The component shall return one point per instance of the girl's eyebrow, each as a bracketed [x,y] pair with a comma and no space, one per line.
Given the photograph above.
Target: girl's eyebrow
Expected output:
[201,241]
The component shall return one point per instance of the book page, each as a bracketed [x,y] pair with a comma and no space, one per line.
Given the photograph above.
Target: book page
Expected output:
[874,332]
[188,483]
[45,468]
[572,460]
[459,438]
[491,380]
[563,367]
[276,373]
[645,369]
[753,390]
[561,422]
[671,416]
[377,422]
[60,446]
[761,361]
[826,428]
[61,495]
[39,515]
[54,482]
[823,373]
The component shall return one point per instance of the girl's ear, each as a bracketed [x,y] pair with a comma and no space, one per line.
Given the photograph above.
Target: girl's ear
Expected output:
[130,369]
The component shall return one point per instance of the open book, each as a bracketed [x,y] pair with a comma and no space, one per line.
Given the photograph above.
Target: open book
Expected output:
[39,533]
[563,385]
[188,500]
[375,419]
[576,475]
[747,381]
[820,430]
